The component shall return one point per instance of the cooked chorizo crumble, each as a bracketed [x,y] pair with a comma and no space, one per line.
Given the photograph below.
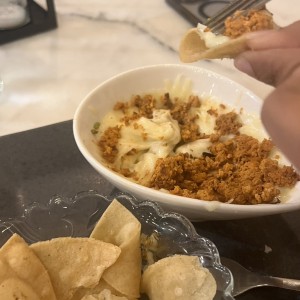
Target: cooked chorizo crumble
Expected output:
[234,168]
[254,20]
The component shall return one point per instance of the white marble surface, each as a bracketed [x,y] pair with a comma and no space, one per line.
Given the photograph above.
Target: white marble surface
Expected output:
[47,75]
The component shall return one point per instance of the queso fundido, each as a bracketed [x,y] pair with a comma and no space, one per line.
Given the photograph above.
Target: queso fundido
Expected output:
[194,147]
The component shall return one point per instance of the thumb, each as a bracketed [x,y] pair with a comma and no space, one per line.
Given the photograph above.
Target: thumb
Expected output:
[280,116]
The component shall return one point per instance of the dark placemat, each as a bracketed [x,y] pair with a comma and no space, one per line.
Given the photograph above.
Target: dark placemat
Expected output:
[39,163]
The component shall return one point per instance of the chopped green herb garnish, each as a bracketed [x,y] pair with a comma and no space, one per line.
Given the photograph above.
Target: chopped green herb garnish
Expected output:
[94,131]
[96,125]
[95,128]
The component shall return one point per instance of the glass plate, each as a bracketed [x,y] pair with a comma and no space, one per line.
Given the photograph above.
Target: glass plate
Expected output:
[78,215]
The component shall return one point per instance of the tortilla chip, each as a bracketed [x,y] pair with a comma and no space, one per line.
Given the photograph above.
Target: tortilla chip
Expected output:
[178,277]
[73,263]
[104,295]
[192,48]
[14,288]
[102,285]
[22,275]
[120,227]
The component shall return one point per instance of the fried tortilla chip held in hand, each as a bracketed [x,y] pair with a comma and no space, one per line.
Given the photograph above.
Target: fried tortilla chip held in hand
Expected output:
[200,43]
[193,48]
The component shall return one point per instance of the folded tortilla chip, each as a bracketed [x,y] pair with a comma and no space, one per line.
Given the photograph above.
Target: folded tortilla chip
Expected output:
[22,274]
[120,227]
[74,263]
[199,43]
[192,48]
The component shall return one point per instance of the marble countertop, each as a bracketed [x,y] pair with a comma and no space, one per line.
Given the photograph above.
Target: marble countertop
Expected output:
[47,75]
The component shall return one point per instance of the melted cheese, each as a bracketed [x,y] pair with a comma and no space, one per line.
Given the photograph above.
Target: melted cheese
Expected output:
[210,39]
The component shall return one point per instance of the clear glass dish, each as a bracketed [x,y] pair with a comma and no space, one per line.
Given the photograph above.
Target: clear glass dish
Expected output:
[77,216]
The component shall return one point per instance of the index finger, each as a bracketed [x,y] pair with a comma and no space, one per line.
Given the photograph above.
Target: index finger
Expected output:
[287,37]
[280,116]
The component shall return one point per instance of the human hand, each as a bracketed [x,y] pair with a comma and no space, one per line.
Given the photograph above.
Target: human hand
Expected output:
[274,58]
[274,54]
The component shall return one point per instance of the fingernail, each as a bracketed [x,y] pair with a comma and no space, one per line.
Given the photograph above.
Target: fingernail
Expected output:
[242,64]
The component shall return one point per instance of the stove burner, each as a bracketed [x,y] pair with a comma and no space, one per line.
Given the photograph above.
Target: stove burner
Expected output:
[209,8]
[197,11]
